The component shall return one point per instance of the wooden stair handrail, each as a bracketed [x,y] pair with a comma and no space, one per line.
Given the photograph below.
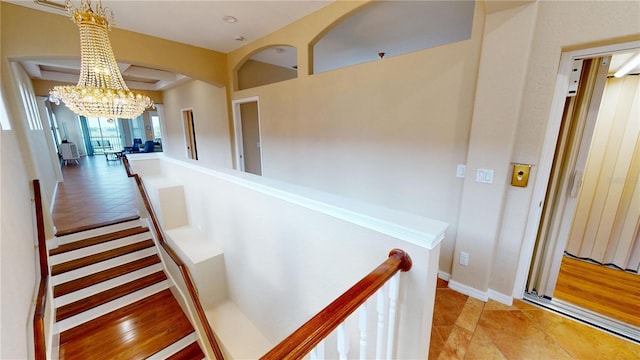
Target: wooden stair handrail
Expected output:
[309,335]
[40,346]
[184,270]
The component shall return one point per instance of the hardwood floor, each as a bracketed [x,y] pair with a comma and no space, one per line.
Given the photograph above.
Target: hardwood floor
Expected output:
[111,295]
[607,291]
[95,192]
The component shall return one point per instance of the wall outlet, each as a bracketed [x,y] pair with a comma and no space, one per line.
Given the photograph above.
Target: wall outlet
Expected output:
[464,258]
[461,170]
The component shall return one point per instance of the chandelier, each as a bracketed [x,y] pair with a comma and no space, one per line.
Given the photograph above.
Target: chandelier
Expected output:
[101,91]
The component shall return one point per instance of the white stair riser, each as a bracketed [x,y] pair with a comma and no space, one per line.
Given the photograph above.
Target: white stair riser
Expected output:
[105,285]
[175,347]
[99,231]
[98,311]
[103,265]
[94,249]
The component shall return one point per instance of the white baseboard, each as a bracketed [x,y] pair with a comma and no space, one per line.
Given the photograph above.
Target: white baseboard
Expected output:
[475,293]
[500,297]
[52,203]
[468,290]
[444,275]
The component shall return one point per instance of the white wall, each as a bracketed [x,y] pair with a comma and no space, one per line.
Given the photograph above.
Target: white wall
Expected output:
[68,120]
[290,251]
[209,105]
[18,267]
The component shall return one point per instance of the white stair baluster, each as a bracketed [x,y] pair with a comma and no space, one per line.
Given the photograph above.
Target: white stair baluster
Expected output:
[318,352]
[362,312]
[380,325]
[393,300]
[343,341]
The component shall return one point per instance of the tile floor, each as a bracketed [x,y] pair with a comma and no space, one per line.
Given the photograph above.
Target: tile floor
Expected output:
[466,328]
[96,191]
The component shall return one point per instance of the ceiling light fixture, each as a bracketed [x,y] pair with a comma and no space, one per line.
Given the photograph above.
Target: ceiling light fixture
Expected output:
[101,91]
[628,65]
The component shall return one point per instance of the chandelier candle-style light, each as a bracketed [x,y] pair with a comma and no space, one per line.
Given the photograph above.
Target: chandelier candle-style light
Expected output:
[101,91]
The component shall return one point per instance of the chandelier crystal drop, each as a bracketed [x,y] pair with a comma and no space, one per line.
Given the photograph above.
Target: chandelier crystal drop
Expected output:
[101,91]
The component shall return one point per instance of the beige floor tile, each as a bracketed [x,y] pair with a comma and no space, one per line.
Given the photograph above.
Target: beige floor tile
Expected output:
[448,306]
[468,318]
[517,337]
[456,345]
[444,331]
[436,344]
[482,347]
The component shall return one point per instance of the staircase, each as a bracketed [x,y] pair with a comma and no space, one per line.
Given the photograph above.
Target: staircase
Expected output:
[112,298]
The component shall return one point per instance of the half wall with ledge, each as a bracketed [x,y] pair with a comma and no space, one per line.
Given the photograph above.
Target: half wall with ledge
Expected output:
[287,252]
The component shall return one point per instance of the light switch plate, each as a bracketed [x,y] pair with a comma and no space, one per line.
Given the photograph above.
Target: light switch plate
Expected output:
[484,176]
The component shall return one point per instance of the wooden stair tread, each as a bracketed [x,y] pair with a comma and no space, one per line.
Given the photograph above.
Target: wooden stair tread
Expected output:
[96,226]
[104,297]
[98,240]
[95,258]
[135,331]
[108,274]
[191,352]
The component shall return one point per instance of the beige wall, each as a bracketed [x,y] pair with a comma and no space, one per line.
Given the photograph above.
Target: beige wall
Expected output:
[504,61]
[392,131]
[256,73]
[559,25]
[209,105]
[388,132]
[18,267]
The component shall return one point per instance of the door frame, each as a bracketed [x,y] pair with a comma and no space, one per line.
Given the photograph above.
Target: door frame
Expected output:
[237,130]
[189,135]
[545,164]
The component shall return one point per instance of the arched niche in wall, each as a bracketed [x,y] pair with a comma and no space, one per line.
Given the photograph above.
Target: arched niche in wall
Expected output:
[388,28]
[269,65]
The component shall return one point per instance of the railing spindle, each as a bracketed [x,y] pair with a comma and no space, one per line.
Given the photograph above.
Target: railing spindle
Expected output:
[393,300]
[303,340]
[318,352]
[343,341]
[380,324]
[362,313]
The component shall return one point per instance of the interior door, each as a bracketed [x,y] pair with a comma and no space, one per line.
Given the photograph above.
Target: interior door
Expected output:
[567,174]
[190,134]
[248,143]
[251,137]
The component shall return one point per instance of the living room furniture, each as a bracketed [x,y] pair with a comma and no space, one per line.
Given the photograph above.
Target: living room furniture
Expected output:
[149,146]
[69,151]
[113,155]
[137,143]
